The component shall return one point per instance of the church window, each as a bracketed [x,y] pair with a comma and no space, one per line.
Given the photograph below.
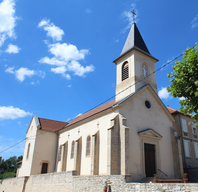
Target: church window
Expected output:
[88,146]
[148,104]
[28,150]
[59,155]
[125,71]
[72,149]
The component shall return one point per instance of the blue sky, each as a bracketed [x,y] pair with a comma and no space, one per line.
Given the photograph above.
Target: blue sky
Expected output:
[56,56]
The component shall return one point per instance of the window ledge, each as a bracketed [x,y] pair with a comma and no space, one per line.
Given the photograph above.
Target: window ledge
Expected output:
[145,78]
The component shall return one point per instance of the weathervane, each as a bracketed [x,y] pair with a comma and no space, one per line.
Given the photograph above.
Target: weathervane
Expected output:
[133,12]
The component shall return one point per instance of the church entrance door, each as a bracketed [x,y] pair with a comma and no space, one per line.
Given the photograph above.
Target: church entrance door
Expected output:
[149,160]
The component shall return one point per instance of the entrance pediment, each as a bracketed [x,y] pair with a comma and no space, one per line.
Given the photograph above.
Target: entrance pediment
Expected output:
[149,133]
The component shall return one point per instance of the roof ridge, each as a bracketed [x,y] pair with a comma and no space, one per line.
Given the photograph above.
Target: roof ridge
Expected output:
[52,120]
[92,112]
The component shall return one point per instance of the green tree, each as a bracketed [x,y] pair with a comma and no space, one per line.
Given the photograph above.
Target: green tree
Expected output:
[184,80]
[19,158]
[9,165]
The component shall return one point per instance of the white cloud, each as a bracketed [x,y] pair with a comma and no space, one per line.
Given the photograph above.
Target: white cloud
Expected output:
[59,70]
[181,98]
[88,11]
[69,86]
[7,20]
[163,93]
[66,57]
[12,113]
[41,74]
[194,22]
[52,31]
[67,76]
[128,16]
[43,23]
[22,73]
[2,39]
[78,69]
[63,54]
[52,61]
[12,49]
[9,70]
[67,52]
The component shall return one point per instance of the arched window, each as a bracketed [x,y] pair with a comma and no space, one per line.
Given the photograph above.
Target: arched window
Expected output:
[88,145]
[125,70]
[72,149]
[28,150]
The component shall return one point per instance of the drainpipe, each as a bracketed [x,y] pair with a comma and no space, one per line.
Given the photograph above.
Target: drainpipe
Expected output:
[184,157]
[55,164]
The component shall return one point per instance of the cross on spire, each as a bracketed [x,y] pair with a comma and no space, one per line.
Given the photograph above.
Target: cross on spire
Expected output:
[133,12]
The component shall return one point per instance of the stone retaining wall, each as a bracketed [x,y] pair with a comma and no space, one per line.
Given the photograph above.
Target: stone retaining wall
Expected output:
[66,182]
[13,185]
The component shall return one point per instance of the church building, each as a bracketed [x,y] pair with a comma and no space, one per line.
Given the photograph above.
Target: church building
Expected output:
[132,135]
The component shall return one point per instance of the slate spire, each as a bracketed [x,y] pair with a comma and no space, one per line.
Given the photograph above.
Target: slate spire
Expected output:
[134,41]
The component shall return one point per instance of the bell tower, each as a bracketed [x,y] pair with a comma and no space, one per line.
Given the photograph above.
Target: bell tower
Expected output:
[134,65]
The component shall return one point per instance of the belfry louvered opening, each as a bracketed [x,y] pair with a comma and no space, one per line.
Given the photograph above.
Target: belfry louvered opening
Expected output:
[125,71]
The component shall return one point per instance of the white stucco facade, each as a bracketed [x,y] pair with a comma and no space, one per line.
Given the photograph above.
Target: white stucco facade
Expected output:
[90,126]
[42,149]
[27,162]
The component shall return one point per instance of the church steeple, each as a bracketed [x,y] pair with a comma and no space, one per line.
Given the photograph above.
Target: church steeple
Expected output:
[134,41]
[134,64]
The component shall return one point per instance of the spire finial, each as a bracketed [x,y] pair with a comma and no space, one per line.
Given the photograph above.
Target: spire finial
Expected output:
[133,12]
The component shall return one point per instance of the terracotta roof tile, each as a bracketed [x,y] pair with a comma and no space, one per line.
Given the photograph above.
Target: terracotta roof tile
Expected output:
[51,125]
[172,110]
[92,112]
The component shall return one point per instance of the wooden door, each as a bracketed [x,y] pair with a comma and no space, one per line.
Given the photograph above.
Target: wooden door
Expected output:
[149,160]
[44,168]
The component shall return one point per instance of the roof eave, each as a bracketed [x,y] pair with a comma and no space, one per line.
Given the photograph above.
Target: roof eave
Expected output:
[135,48]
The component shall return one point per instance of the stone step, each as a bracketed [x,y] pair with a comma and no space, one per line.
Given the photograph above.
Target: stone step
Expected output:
[147,180]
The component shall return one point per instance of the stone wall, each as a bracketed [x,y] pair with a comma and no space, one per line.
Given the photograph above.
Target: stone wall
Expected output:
[66,182]
[13,185]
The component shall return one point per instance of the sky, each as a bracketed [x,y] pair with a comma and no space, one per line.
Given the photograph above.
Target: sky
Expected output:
[56,56]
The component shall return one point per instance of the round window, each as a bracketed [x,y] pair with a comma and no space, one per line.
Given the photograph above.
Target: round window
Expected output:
[148,104]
